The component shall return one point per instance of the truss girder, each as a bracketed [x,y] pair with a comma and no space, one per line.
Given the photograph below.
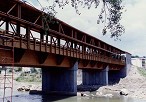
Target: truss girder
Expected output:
[56,38]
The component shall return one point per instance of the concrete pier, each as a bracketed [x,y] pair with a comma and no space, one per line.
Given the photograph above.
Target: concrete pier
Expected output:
[114,76]
[95,77]
[62,81]
[123,73]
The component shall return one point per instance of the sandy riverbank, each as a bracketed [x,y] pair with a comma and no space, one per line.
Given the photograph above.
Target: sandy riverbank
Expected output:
[134,84]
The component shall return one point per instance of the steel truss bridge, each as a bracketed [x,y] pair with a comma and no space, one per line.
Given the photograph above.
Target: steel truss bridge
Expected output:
[39,42]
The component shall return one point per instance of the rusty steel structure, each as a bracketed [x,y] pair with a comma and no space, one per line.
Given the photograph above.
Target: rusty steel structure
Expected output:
[39,42]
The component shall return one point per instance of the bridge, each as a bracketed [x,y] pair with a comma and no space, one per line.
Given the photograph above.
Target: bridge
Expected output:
[32,38]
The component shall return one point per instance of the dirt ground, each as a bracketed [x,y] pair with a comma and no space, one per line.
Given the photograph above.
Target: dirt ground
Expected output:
[134,84]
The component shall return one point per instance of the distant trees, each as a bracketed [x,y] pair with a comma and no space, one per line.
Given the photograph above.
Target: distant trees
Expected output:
[18,69]
[136,56]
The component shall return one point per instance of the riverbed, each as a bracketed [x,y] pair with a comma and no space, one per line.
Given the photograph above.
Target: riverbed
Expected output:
[25,97]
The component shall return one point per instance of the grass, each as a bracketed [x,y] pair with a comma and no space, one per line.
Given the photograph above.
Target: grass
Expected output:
[28,78]
[142,71]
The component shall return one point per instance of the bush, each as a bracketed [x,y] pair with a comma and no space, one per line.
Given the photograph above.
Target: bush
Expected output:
[142,71]
[28,78]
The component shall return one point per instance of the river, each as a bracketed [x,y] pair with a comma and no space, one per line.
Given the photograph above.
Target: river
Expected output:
[26,97]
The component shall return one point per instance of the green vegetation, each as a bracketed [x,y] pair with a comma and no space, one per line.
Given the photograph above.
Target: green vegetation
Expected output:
[29,78]
[136,56]
[142,71]
[18,69]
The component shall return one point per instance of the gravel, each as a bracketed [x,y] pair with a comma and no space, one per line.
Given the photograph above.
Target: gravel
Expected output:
[134,84]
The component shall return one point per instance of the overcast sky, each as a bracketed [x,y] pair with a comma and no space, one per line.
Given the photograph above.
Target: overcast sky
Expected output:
[133,19]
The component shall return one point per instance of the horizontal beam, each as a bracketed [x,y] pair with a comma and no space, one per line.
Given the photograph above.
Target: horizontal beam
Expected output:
[30,59]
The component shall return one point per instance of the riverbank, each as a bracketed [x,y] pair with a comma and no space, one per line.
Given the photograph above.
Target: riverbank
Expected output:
[134,85]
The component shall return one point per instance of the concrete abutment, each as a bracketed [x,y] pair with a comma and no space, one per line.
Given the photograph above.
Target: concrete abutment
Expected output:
[115,76]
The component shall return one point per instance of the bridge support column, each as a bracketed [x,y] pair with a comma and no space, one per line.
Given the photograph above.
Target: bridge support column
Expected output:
[60,81]
[104,76]
[124,71]
[114,76]
[94,77]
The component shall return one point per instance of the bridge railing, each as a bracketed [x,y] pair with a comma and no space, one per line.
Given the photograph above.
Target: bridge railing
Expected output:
[36,44]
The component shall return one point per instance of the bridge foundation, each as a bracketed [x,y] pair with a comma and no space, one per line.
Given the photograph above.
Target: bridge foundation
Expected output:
[124,71]
[114,76]
[94,77]
[60,81]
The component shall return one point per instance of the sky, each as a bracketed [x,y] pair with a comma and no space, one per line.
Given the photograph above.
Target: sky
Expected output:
[133,19]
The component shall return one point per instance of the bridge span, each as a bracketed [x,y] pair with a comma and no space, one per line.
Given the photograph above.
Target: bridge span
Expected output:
[32,38]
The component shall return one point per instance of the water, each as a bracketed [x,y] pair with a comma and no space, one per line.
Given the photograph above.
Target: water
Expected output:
[25,97]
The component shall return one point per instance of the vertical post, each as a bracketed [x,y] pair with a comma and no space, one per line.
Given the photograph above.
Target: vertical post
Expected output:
[47,39]
[19,16]
[58,41]
[7,32]
[46,43]
[28,36]
[7,27]
[58,44]
[41,40]
[18,28]
[19,11]
[51,38]
[42,37]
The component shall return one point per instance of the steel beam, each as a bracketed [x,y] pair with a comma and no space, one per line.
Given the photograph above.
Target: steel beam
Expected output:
[78,44]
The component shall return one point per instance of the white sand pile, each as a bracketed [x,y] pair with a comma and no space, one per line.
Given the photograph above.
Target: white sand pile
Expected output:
[134,83]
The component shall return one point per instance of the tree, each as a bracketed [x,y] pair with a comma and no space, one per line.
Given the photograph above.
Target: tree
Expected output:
[33,70]
[18,69]
[136,56]
[110,13]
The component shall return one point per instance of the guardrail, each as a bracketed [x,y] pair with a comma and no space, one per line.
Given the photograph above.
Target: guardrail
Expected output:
[11,39]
